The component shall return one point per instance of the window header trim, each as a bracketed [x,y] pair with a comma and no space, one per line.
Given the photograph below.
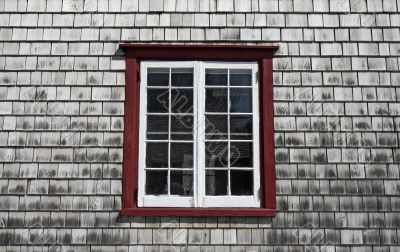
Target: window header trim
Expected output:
[134,53]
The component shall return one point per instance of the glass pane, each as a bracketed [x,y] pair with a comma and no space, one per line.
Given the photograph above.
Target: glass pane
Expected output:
[216,154]
[156,155]
[157,127]
[216,100]
[240,100]
[216,77]
[241,154]
[156,182]
[240,77]
[181,155]
[181,183]
[157,76]
[216,182]
[157,100]
[241,127]
[182,100]
[182,127]
[241,182]
[182,77]
[216,126]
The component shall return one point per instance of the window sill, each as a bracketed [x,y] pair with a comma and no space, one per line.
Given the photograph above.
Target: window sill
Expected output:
[177,211]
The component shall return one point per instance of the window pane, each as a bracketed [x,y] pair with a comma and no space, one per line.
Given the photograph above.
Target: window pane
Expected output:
[241,182]
[181,155]
[157,76]
[241,127]
[157,155]
[240,100]
[157,100]
[240,77]
[216,126]
[216,99]
[182,77]
[182,101]
[181,183]
[156,182]
[216,154]
[157,127]
[216,77]
[216,182]
[182,127]
[241,154]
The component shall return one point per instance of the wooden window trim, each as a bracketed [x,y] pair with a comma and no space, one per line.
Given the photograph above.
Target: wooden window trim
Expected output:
[134,53]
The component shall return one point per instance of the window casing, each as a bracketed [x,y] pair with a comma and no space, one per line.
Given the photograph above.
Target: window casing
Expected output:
[260,58]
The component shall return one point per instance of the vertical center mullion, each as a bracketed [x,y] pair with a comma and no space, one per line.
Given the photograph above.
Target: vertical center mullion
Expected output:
[229,133]
[197,141]
[169,132]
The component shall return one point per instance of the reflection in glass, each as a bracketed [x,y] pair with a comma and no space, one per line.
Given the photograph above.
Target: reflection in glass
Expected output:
[216,126]
[181,183]
[181,155]
[241,182]
[157,76]
[156,155]
[216,99]
[156,182]
[240,77]
[157,100]
[216,182]
[241,127]
[216,77]
[216,154]
[240,100]
[182,127]
[157,127]
[182,100]
[182,77]
[241,154]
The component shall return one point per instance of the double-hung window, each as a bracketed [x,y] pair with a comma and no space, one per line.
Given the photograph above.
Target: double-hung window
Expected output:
[198,134]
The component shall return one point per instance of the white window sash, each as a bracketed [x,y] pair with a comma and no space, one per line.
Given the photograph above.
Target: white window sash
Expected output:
[199,198]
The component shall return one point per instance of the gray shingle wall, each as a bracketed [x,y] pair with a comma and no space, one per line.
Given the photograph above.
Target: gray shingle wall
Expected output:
[337,107]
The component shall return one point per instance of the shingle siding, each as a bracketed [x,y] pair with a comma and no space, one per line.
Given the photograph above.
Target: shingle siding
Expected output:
[336,99]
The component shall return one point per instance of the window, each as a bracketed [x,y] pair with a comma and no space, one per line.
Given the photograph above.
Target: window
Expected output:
[198,131]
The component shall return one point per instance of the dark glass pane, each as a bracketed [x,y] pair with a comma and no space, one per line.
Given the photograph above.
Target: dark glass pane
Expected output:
[157,100]
[216,77]
[241,182]
[181,155]
[241,154]
[241,127]
[240,77]
[182,77]
[240,100]
[216,154]
[157,77]
[156,155]
[216,99]
[216,182]
[181,183]
[182,100]
[157,127]
[182,127]
[216,126]
[156,182]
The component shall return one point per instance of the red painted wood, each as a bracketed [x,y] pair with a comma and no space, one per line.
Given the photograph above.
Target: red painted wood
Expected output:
[199,52]
[137,52]
[268,135]
[198,212]
[131,135]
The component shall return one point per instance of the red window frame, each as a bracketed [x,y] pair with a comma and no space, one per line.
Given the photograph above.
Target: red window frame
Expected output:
[134,53]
